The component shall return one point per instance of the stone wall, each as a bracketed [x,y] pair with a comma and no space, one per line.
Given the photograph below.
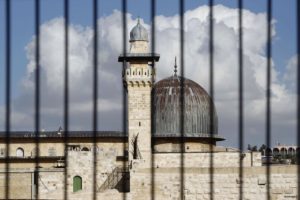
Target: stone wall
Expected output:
[195,183]
[22,186]
[19,185]
[46,146]
[139,120]
[51,180]
[51,184]
[28,161]
[220,159]
[167,179]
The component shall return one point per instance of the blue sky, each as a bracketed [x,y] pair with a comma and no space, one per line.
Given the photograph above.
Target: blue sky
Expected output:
[284,43]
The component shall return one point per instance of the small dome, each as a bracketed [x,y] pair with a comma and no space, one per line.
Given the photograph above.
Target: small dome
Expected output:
[167,109]
[138,33]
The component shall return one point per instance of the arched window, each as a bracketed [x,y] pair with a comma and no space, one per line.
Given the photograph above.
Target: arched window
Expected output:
[85,149]
[77,183]
[291,151]
[283,151]
[20,152]
[275,151]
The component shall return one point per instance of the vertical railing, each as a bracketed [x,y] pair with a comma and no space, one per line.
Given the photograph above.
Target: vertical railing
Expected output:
[268,132]
[211,92]
[95,96]
[241,98]
[7,93]
[268,91]
[153,45]
[37,94]
[124,50]
[182,97]
[66,95]
[298,94]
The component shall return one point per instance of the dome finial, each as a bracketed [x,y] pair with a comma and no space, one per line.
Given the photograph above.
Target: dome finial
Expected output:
[138,20]
[175,67]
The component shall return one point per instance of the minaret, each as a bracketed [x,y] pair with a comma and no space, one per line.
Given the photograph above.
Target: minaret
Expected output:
[138,80]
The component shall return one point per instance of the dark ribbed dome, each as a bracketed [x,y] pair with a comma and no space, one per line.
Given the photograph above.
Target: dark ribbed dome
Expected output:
[167,109]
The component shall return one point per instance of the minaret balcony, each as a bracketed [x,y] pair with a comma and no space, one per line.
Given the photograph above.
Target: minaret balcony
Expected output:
[139,75]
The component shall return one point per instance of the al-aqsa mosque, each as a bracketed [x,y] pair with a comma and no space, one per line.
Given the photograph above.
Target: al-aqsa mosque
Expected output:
[168,152]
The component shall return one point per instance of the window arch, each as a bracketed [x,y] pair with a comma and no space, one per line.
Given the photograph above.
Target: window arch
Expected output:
[291,151]
[20,152]
[77,183]
[85,149]
[283,151]
[275,151]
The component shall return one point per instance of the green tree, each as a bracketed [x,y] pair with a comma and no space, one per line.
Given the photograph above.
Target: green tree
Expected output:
[249,147]
[262,148]
[254,148]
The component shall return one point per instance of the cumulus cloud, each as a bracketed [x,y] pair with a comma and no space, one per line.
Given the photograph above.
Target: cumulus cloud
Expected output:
[291,73]
[196,63]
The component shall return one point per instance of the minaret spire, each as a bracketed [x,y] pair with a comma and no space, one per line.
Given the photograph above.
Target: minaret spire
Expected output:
[138,20]
[175,67]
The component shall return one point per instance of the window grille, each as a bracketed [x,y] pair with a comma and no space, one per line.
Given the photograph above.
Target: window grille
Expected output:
[19,152]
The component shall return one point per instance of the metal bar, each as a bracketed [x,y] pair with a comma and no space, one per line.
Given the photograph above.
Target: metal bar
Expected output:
[95,97]
[241,99]
[268,91]
[124,29]
[182,99]
[37,92]
[66,95]
[7,94]
[298,93]
[153,13]
[211,91]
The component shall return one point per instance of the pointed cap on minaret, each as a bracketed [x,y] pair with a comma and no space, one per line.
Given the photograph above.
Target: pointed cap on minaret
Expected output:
[139,32]
[138,20]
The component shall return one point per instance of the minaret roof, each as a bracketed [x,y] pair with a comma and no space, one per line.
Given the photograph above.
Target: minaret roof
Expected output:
[138,32]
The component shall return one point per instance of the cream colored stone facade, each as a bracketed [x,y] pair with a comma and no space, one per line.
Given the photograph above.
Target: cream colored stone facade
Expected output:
[195,183]
[139,81]
[165,177]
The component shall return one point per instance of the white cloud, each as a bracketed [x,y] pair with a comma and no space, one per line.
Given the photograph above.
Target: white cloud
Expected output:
[291,72]
[167,44]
